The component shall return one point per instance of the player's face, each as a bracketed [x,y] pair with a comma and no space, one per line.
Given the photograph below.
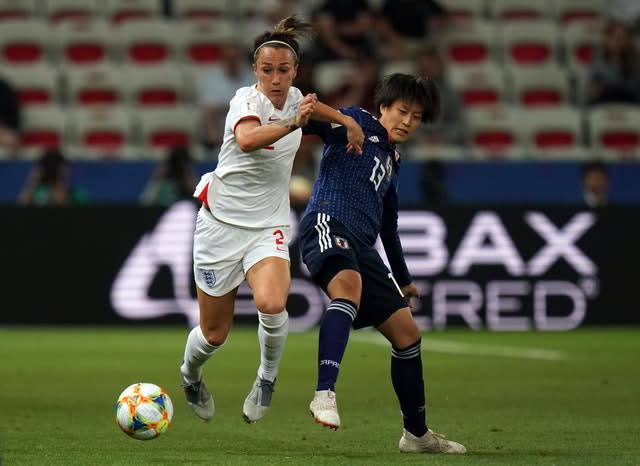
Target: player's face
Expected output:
[401,119]
[275,69]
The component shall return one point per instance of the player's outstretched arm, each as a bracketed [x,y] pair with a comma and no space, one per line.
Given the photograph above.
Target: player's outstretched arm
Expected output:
[355,135]
[251,135]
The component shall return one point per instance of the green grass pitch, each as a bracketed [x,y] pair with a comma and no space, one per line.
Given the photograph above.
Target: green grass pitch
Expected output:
[512,398]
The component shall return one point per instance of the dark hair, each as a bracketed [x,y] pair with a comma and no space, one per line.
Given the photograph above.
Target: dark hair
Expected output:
[288,31]
[594,166]
[52,164]
[409,89]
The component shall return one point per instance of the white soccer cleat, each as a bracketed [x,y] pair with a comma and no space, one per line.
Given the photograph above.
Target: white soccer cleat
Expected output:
[324,409]
[258,401]
[431,442]
[199,399]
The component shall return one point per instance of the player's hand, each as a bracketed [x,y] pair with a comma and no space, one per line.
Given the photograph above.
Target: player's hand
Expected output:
[410,291]
[307,106]
[355,136]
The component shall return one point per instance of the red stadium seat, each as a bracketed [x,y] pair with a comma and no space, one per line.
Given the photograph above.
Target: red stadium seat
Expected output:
[200,41]
[470,42]
[24,42]
[478,85]
[97,85]
[155,85]
[494,132]
[35,84]
[200,9]
[100,132]
[529,43]
[540,86]
[162,128]
[69,10]
[554,133]
[568,11]
[615,130]
[511,10]
[147,42]
[43,127]
[18,9]
[120,11]
[464,9]
[84,42]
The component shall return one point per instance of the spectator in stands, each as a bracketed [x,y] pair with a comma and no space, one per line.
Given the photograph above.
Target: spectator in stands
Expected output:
[450,128]
[595,184]
[48,185]
[10,119]
[220,85]
[615,72]
[174,179]
[344,30]
[405,24]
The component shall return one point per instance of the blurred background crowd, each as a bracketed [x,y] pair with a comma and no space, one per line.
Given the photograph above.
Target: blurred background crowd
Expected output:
[150,80]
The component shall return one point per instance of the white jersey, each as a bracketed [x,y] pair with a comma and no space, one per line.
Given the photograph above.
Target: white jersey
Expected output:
[252,189]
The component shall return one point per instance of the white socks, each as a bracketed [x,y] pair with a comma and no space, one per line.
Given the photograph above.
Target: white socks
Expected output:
[196,352]
[272,335]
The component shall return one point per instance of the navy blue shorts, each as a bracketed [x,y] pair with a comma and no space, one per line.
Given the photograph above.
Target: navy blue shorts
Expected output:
[328,247]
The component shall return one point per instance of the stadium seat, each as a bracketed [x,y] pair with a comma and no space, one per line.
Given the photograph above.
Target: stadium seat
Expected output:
[199,9]
[464,9]
[445,152]
[539,86]
[119,11]
[478,85]
[554,133]
[18,9]
[25,41]
[330,76]
[100,132]
[43,127]
[510,10]
[69,10]
[83,42]
[529,43]
[614,130]
[568,11]
[579,42]
[35,84]
[155,85]
[162,128]
[147,42]
[470,42]
[200,40]
[96,85]
[398,66]
[494,132]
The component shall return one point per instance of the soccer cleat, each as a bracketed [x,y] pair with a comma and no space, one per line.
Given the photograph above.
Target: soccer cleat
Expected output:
[431,442]
[199,398]
[324,409]
[258,401]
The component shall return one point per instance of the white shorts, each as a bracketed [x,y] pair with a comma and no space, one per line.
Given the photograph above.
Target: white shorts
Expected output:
[222,253]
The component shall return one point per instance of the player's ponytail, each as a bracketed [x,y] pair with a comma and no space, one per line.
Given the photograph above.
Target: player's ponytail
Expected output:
[285,34]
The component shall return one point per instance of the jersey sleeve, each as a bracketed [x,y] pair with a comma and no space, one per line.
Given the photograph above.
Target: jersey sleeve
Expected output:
[391,239]
[244,106]
[332,133]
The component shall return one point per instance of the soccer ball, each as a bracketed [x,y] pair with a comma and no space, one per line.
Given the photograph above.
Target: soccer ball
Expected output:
[144,411]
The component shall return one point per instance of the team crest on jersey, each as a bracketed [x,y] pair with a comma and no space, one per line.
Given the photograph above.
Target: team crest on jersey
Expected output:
[389,165]
[341,242]
[209,277]
[373,139]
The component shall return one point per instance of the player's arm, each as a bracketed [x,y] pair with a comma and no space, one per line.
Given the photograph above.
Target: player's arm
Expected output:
[251,135]
[355,135]
[391,243]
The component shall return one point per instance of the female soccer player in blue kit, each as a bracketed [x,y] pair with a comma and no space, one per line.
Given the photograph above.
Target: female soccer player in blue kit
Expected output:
[354,200]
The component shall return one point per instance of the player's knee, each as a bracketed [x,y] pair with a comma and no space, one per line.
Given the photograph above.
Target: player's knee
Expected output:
[215,335]
[270,304]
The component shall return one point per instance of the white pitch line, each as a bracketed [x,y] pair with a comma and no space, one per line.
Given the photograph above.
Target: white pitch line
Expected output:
[474,349]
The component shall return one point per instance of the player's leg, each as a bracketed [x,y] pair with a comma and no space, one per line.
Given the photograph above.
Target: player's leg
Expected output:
[329,255]
[216,318]
[269,280]
[217,255]
[408,382]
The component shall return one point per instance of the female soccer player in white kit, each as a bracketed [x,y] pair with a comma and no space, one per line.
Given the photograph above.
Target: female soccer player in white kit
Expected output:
[242,229]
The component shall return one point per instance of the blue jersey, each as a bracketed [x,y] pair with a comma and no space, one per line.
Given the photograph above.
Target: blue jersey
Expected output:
[360,191]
